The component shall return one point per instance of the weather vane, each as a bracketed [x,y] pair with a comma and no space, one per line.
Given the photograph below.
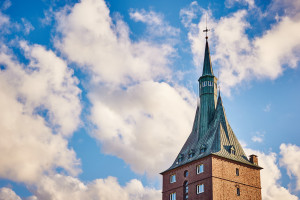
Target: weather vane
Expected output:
[206,30]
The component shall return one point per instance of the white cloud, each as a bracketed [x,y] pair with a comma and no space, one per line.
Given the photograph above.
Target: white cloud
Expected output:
[290,8]
[291,160]
[6,4]
[258,137]
[27,26]
[190,13]
[3,19]
[50,85]
[270,177]
[230,3]
[130,109]
[59,187]
[146,121]
[28,147]
[157,26]
[242,59]
[8,194]
[105,49]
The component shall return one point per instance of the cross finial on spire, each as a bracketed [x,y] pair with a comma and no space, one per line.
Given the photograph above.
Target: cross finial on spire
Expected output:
[206,30]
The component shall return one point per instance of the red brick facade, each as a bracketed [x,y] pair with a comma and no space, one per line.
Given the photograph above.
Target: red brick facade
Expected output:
[220,180]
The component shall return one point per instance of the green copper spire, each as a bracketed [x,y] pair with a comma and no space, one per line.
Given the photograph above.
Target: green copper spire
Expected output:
[211,133]
[207,92]
[207,68]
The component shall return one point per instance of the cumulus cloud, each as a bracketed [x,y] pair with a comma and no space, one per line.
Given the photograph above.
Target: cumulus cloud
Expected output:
[240,58]
[131,106]
[270,177]
[105,48]
[291,161]
[8,194]
[142,122]
[36,100]
[60,187]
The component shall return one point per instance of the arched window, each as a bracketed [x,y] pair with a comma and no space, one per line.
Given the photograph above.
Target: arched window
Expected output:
[237,171]
[186,173]
[238,192]
[185,190]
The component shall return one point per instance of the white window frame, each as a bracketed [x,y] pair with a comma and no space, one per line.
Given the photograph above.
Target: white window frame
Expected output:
[200,188]
[200,169]
[173,196]
[173,180]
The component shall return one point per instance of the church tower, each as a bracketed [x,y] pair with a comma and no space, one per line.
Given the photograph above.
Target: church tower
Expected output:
[212,164]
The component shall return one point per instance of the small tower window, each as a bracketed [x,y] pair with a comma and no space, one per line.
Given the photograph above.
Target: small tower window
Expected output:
[173,196]
[200,168]
[186,173]
[237,171]
[185,190]
[238,192]
[200,188]
[173,178]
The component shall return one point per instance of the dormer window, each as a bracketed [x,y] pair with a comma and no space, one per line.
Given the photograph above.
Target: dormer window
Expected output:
[180,158]
[232,150]
[191,153]
[202,148]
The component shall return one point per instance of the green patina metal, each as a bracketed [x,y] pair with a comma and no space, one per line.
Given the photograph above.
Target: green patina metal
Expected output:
[211,133]
[207,93]
[207,67]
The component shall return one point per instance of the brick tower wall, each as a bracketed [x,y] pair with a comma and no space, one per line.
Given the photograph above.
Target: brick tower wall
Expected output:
[219,179]
[193,179]
[225,181]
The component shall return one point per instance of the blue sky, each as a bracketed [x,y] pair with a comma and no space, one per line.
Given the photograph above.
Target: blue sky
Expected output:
[97,97]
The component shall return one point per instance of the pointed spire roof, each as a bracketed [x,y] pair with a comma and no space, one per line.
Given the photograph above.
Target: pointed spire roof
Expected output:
[219,140]
[207,67]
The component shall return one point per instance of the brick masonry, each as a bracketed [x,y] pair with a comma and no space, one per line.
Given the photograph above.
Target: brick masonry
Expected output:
[219,179]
